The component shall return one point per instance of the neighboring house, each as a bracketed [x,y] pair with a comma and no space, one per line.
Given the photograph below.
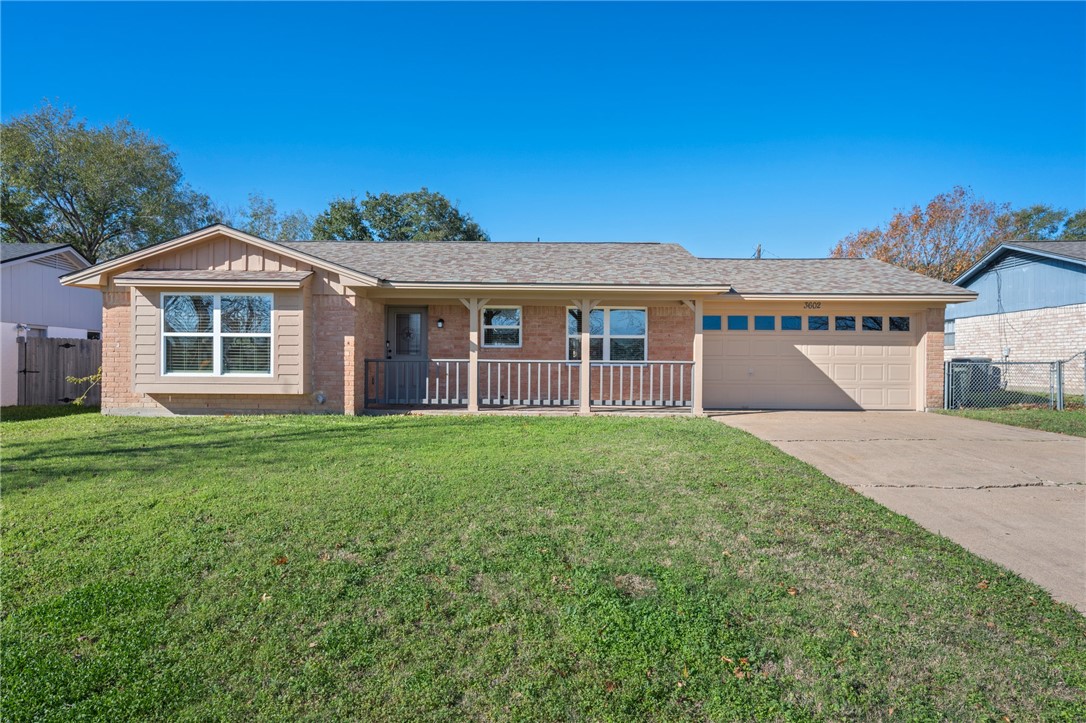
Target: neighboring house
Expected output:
[1031,304]
[220,321]
[33,303]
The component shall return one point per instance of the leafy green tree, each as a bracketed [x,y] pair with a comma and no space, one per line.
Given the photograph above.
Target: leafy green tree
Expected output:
[1075,228]
[421,215]
[1037,223]
[343,220]
[262,218]
[103,190]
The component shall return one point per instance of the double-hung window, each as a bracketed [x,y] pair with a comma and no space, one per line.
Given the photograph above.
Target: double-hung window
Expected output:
[217,334]
[618,335]
[501,326]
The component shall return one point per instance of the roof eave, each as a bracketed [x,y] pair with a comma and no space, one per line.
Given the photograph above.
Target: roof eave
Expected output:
[47,252]
[989,257]
[549,286]
[947,298]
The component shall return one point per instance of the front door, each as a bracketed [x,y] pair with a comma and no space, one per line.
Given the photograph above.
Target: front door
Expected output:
[405,350]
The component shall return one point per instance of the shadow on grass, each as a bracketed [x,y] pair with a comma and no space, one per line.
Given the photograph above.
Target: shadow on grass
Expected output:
[30,414]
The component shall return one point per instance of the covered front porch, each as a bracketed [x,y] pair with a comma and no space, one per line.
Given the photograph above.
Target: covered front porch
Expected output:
[524,352]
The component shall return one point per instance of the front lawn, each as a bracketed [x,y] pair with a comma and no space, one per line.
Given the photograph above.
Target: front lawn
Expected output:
[291,568]
[1070,421]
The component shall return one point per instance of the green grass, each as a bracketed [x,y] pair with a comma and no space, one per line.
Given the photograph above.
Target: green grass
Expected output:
[287,568]
[1070,421]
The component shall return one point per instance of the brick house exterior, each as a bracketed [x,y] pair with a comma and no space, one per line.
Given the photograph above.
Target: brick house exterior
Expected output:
[324,326]
[1031,306]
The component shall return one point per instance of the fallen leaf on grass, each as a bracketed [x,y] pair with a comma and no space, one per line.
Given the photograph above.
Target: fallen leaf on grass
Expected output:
[610,686]
[982,585]
[853,632]
[793,591]
[281,560]
[265,597]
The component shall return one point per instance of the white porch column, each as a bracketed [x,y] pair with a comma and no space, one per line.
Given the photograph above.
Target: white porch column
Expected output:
[698,373]
[585,306]
[475,306]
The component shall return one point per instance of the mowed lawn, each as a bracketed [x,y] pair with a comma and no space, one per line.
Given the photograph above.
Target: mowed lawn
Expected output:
[294,568]
[1068,421]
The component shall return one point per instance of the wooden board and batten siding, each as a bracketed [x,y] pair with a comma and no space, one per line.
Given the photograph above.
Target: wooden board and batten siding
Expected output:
[288,350]
[45,365]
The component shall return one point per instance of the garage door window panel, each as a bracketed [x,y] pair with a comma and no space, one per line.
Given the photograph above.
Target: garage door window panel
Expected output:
[872,323]
[818,323]
[791,323]
[737,323]
[765,323]
[844,323]
[899,323]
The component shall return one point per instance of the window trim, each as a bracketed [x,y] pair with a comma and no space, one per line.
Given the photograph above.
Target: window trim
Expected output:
[483,326]
[607,336]
[216,335]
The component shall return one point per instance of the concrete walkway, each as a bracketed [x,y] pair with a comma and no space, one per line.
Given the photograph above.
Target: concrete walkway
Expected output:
[1015,496]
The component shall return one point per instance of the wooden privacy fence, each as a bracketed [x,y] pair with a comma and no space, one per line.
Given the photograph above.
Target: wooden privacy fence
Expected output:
[45,365]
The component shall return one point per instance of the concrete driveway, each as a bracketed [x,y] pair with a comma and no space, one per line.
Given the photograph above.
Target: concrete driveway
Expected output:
[1015,496]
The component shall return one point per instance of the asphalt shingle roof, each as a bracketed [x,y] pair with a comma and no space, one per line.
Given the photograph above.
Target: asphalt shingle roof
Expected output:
[635,264]
[12,251]
[1070,249]
[819,277]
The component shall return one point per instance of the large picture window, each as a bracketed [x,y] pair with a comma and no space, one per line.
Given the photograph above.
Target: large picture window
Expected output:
[617,335]
[216,334]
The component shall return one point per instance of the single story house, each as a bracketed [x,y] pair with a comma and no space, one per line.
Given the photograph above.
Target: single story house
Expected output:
[1030,305]
[219,321]
[33,303]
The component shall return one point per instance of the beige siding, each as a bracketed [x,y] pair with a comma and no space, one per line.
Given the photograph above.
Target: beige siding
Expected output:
[288,351]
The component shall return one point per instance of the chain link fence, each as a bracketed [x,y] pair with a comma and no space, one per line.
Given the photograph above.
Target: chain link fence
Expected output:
[979,382]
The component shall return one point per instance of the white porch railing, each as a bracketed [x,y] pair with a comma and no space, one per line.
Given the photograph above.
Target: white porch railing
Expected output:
[643,384]
[529,382]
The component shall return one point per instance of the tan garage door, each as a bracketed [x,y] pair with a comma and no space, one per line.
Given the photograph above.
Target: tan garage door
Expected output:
[810,370]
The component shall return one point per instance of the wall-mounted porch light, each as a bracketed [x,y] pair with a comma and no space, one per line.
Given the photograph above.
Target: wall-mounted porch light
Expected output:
[440,323]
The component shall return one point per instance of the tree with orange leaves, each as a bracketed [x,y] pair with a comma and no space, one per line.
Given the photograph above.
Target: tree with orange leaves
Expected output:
[941,239]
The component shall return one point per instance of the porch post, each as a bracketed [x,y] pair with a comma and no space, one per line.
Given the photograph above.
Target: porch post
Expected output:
[474,307]
[698,373]
[585,306]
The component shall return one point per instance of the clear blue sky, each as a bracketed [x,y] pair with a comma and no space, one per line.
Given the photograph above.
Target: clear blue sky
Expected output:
[718,126]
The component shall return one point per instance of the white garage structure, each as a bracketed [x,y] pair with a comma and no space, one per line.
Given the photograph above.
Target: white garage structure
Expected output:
[822,334]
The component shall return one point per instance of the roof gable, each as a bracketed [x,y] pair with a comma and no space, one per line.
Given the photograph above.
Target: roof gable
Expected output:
[11,252]
[152,256]
[1072,251]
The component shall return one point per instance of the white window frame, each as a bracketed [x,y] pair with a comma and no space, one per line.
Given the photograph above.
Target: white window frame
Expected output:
[607,336]
[519,327]
[216,335]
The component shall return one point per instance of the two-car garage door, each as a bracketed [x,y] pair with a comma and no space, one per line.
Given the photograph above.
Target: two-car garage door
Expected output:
[832,361]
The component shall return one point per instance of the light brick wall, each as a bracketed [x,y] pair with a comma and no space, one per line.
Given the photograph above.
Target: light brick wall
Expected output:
[1034,335]
[1057,333]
